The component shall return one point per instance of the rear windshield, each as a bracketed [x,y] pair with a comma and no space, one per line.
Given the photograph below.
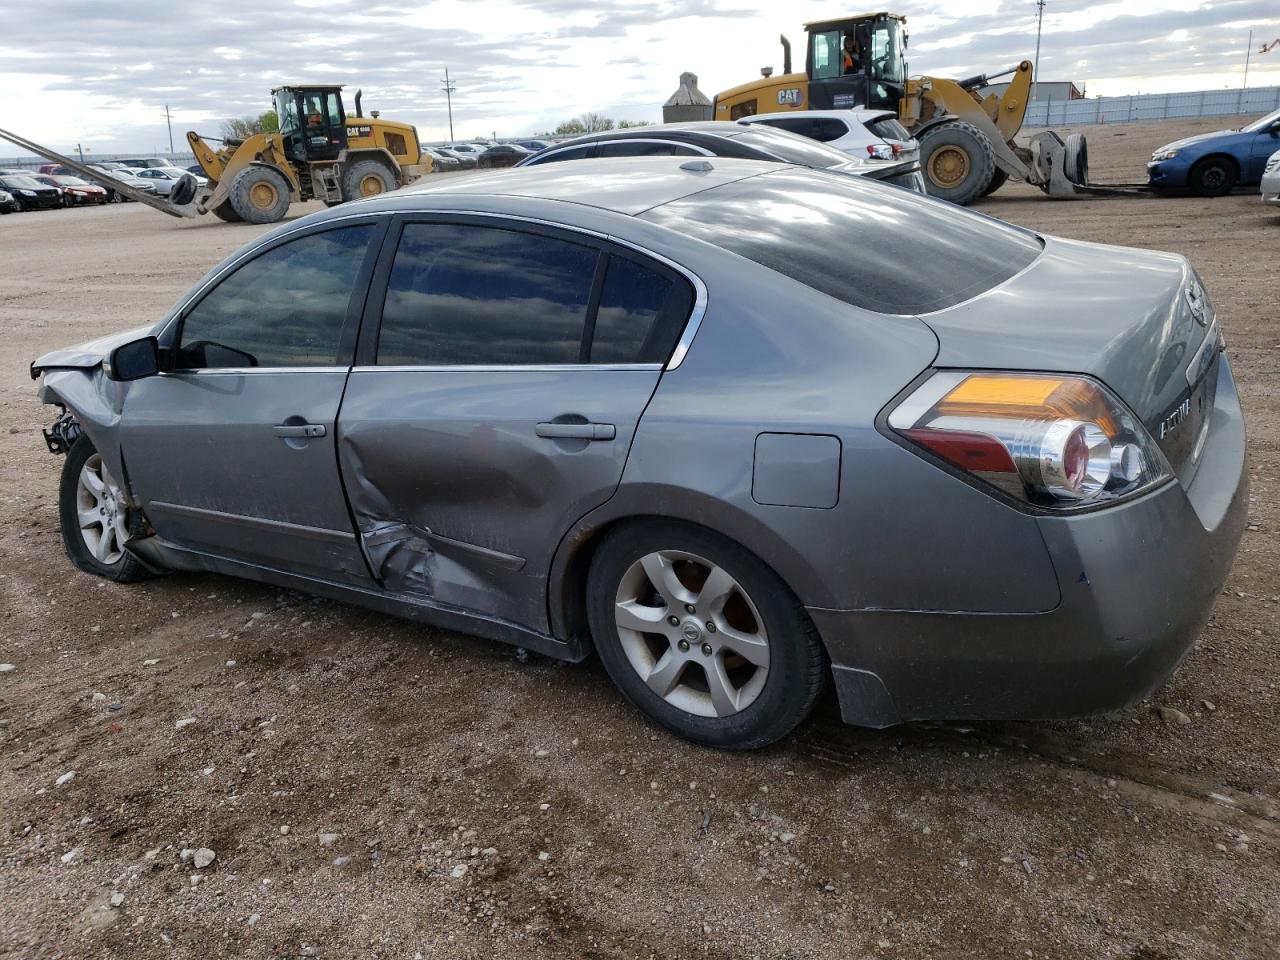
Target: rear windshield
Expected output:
[873,246]
[789,147]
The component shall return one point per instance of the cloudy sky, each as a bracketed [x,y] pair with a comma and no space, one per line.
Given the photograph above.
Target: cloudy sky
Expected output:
[100,73]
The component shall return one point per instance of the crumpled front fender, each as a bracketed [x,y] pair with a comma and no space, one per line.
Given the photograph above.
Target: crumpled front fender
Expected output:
[95,402]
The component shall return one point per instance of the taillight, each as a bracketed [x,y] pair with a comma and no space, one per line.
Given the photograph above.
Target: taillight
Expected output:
[1062,442]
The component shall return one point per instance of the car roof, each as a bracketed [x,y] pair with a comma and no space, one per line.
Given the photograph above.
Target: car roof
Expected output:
[628,186]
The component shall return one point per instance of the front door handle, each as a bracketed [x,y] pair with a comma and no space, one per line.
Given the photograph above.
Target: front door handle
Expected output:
[577,431]
[306,430]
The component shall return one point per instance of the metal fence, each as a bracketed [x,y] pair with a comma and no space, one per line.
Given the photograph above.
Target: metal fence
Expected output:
[1152,106]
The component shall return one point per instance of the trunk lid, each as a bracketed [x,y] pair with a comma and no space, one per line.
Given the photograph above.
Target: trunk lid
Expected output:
[1137,320]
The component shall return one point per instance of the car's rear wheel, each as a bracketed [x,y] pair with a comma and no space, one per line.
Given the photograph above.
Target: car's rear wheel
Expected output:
[1213,177]
[702,636]
[95,516]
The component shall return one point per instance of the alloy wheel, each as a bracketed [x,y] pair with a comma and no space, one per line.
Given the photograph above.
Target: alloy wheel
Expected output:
[102,512]
[692,634]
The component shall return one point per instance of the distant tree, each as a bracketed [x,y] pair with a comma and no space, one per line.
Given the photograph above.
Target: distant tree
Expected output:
[587,123]
[242,128]
[630,124]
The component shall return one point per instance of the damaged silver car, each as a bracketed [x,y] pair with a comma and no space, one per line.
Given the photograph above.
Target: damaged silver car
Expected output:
[745,430]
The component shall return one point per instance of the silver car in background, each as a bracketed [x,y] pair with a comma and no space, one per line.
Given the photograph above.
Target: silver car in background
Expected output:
[1271,180]
[743,429]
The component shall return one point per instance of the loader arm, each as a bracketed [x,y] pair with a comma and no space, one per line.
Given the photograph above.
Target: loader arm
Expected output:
[98,176]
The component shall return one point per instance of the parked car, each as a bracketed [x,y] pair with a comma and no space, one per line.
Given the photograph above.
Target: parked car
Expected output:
[164,179]
[726,139]
[1213,164]
[442,162]
[196,170]
[142,163]
[30,194]
[79,192]
[742,428]
[466,160]
[7,202]
[1271,180]
[502,155]
[860,133]
[126,176]
[532,145]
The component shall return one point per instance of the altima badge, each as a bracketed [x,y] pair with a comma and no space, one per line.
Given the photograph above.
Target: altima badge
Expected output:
[1174,420]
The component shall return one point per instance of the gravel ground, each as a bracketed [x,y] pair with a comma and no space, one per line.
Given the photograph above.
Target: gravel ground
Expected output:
[371,788]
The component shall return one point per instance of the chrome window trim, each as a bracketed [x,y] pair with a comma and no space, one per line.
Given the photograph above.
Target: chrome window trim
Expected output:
[503,367]
[692,323]
[543,156]
[238,371]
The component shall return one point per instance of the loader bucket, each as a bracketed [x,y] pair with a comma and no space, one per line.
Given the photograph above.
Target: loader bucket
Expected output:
[98,176]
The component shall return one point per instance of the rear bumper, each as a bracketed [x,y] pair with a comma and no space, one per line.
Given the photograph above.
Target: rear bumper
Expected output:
[1137,581]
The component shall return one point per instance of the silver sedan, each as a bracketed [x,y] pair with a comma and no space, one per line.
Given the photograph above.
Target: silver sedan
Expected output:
[1271,180]
[743,429]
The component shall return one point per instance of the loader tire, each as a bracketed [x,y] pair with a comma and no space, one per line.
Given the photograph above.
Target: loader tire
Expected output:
[259,195]
[957,160]
[367,178]
[224,211]
[1075,159]
[998,180]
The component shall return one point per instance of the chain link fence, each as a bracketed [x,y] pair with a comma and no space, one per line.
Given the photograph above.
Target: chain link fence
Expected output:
[1152,106]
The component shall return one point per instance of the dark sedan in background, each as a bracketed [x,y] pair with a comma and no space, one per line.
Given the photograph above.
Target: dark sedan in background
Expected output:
[30,193]
[742,428]
[728,139]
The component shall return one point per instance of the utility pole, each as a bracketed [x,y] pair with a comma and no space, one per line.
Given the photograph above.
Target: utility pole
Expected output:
[168,117]
[80,150]
[449,88]
[1035,79]
[1248,49]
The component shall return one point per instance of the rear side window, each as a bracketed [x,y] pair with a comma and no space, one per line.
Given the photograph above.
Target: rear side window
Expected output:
[284,308]
[642,148]
[888,128]
[641,314]
[872,246]
[827,129]
[461,294]
[789,147]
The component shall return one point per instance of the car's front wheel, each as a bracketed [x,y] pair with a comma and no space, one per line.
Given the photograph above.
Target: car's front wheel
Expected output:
[1213,177]
[702,636]
[95,516]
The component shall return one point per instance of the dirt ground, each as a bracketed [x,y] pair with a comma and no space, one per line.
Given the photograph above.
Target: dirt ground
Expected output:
[372,788]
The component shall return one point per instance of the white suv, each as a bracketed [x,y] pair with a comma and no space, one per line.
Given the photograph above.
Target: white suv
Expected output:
[859,133]
[1271,180]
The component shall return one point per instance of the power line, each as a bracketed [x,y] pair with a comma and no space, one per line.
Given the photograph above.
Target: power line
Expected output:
[449,88]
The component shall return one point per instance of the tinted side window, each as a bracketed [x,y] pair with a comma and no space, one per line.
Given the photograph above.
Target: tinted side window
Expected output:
[880,248]
[638,148]
[481,295]
[826,129]
[284,308]
[573,153]
[640,316]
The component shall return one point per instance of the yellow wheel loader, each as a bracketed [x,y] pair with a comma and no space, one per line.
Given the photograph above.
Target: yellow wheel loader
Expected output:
[966,140]
[319,152]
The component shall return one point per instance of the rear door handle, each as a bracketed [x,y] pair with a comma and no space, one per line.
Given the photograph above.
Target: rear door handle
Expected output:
[577,431]
[299,430]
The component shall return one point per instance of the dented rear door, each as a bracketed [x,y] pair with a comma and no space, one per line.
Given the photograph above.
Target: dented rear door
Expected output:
[503,373]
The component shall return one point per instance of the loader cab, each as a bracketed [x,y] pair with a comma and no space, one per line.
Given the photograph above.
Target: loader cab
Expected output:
[313,124]
[857,62]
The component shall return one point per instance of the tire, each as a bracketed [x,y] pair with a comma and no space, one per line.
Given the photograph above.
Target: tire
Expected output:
[957,161]
[1213,177]
[998,180]
[760,699]
[366,178]
[1075,159]
[106,558]
[183,191]
[259,195]
[224,211]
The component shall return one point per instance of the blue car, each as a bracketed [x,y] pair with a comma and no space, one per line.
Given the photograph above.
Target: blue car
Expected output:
[1212,164]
